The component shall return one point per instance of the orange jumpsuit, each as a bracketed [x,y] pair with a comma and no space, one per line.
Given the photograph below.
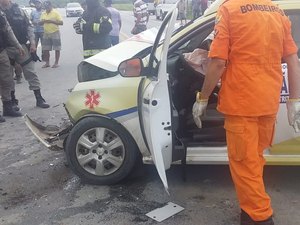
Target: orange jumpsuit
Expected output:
[252,36]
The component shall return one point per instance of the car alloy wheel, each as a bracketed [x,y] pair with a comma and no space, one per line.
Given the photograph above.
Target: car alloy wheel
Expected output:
[100,150]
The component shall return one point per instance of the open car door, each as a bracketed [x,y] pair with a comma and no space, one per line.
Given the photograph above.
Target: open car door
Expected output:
[154,101]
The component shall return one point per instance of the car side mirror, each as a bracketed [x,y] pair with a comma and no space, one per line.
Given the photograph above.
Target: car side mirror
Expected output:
[131,67]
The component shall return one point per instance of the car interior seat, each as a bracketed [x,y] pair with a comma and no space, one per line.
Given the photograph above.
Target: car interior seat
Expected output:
[186,81]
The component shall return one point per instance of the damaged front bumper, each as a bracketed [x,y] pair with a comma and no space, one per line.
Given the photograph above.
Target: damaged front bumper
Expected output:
[52,137]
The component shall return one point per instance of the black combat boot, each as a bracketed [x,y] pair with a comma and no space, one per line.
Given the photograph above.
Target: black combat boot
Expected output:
[8,110]
[246,219]
[40,102]
[2,119]
[265,222]
[14,101]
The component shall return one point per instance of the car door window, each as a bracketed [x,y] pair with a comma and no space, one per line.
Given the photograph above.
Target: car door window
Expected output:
[193,39]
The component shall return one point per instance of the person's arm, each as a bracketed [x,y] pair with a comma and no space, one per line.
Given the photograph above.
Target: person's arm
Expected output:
[32,19]
[102,25]
[12,38]
[138,18]
[42,19]
[290,57]
[214,72]
[58,20]
[30,33]
[293,103]
[293,75]
[219,55]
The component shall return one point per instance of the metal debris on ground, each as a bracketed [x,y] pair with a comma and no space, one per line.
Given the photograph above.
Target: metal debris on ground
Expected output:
[165,212]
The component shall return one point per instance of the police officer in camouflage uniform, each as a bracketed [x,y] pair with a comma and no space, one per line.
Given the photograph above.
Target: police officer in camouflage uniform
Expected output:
[23,31]
[6,77]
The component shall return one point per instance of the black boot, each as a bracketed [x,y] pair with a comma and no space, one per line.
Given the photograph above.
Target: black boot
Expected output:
[8,110]
[265,222]
[40,102]
[246,219]
[2,119]
[14,101]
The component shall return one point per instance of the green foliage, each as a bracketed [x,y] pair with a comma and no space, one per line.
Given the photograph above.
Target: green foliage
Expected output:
[123,7]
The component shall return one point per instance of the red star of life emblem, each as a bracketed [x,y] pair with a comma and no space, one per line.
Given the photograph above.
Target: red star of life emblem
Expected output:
[92,99]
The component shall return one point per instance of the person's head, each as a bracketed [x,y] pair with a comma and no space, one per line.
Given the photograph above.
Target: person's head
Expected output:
[48,6]
[5,3]
[83,5]
[92,4]
[107,3]
[38,4]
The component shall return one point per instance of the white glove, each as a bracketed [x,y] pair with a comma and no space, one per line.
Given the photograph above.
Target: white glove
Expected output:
[293,110]
[199,109]
[82,22]
[78,25]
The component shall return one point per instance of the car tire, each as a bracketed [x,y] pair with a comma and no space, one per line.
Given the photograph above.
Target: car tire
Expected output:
[111,161]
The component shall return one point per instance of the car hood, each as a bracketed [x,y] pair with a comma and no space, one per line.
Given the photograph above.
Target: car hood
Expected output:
[110,58]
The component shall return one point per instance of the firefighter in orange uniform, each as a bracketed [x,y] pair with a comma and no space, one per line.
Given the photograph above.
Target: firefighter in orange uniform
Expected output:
[251,39]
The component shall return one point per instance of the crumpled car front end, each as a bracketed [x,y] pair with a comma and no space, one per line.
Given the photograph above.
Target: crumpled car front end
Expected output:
[100,91]
[53,137]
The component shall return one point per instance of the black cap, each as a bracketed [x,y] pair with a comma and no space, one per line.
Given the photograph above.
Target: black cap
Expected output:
[47,3]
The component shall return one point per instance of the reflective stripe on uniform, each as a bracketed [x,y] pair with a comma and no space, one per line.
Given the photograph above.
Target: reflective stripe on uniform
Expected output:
[91,52]
[96,28]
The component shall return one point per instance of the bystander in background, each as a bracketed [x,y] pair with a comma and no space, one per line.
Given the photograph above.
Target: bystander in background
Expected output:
[203,6]
[196,8]
[182,11]
[51,19]
[116,22]
[23,31]
[140,12]
[35,19]
[95,25]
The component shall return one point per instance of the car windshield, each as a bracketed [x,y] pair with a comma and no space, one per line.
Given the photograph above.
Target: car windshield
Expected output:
[73,5]
[169,1]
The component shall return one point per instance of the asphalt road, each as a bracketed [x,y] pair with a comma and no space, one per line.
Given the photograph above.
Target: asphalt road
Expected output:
[37,188]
